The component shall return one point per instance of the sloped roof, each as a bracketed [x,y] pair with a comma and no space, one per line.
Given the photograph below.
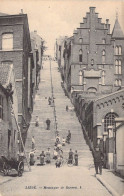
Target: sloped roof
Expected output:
[3,14]
[117,31]
[5,71]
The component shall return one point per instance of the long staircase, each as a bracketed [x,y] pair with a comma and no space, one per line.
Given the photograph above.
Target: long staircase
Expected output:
[65,120]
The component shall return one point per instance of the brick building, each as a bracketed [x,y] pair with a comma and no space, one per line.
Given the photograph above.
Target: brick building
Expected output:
[102,120]
[8,112]
[15,49]
[94,79]
[94,57]
[37,50]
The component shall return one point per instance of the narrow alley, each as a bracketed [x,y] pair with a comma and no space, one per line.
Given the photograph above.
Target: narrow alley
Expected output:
[47,180]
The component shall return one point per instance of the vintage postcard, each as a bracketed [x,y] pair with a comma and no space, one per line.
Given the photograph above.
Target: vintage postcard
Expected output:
[61,98]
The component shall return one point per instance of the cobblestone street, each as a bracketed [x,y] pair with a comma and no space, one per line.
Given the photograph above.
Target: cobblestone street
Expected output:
[48,180]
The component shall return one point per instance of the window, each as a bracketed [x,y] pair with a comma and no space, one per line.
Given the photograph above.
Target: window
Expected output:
[109,120]
[103,56]
[81,40]
[1,107]
[118,50]
[7,63]
[119,82]
[80,78]
[92,62]
[103,77]
[103,52]
[103,41]
[116,82]
[118,67]
[7,41]
[80,56]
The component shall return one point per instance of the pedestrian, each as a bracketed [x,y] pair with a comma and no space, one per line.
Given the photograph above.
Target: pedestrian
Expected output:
[70,158]
[49,100]
[31,157]
[55,154]
[68,137]
[98,158]
[63,141]
[48,156]
[33,143]
[48,123]
[67,108]
[42,157]
[76,158]
[58,161]
[37,121]
[58,137]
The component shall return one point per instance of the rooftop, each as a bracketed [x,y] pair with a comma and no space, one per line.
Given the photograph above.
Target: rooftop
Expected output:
[3,14]
[117,31]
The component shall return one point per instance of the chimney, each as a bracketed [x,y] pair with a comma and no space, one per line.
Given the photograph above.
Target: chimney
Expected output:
[21,11]
[92,9]
[107,21]
[99,20]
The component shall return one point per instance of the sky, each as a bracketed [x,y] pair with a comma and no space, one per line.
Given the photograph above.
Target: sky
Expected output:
[54,18]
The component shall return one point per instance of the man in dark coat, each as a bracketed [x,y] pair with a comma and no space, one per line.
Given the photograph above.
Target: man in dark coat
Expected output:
[42,156]
[70,158]
[48,123]
[98,157]
[76,158]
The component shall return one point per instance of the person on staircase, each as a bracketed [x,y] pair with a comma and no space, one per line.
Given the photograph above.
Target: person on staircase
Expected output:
[76,158]
[48,123]
[49,100]
[42,157]
[58,161]
[48,156]
[31,157]
[70,157]
[55,154]
[68,137]
[33,143]
[63,141]
[37,121]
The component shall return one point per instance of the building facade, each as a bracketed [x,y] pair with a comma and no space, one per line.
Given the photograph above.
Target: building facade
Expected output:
[37,44]
[8,113]
[94,57]
[15,49]
[94,79]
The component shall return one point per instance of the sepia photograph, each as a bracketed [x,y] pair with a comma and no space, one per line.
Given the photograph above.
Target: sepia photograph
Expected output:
[61,98]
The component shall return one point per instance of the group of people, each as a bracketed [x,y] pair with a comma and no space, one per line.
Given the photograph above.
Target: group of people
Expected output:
[45,157]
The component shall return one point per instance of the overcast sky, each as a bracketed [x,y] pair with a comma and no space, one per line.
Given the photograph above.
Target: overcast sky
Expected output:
[52,18]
